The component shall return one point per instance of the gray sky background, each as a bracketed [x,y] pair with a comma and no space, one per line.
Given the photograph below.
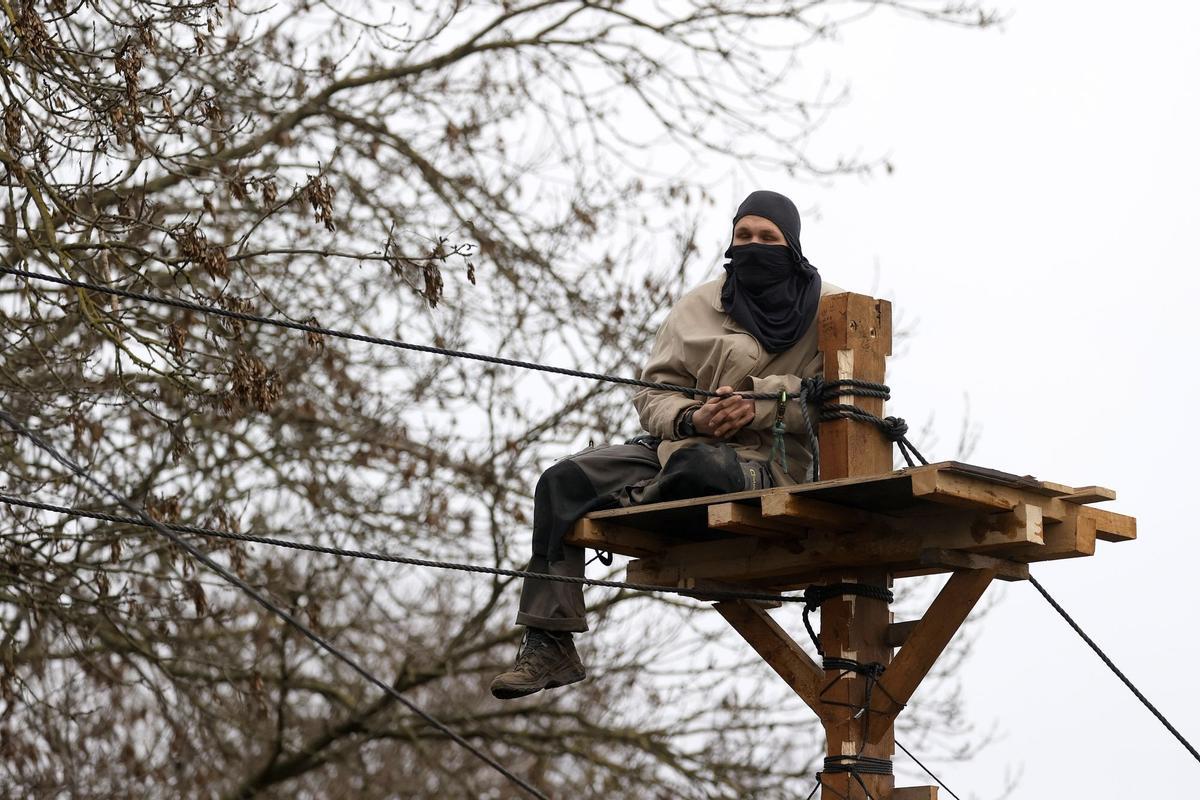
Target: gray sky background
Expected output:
[1040,232]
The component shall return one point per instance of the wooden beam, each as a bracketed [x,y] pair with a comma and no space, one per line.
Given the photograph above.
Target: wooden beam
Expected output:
[898,632]
[855,336]
[1073,537]
[779,650]
[748,520]
[1111,527]
[799,510]
[915,793]
[927,641]
[957,559]
[901,543]
[1090,494]
[618,539]
[963,491]
[855,339]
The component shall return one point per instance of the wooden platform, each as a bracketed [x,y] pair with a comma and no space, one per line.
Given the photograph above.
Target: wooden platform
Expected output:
[921,520]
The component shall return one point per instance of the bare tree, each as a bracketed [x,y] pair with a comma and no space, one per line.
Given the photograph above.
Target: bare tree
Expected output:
[509,176]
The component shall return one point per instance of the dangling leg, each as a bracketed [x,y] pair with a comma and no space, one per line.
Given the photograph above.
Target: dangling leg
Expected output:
[550,610]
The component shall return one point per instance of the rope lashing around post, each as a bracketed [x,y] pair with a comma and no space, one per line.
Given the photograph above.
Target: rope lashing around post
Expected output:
[814,596]
[855,766]
[872,671]
[719,594]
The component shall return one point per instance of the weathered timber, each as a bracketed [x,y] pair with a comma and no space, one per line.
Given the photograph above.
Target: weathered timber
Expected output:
[856,338]
[915,793]
[957,559]
[748,520]
[617,538]
[899,543]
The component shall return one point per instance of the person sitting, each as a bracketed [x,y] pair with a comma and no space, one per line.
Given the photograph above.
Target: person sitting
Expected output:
[750,330]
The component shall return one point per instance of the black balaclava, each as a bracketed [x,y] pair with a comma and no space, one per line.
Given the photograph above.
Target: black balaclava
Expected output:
[770,290]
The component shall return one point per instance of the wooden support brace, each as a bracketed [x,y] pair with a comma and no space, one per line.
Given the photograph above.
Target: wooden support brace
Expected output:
[927,641]
[1005,570]
[772,643]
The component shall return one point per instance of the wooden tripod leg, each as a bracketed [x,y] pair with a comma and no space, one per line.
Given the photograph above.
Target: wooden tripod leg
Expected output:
[927,641]
[772,643]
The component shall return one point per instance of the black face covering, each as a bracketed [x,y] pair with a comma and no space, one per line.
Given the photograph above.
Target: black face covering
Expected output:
[771,290]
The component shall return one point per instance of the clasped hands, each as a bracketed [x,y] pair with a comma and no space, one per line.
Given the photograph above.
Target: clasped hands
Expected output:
[722,417]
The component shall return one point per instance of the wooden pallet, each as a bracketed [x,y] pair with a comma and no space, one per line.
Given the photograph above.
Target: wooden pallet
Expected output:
[922,520]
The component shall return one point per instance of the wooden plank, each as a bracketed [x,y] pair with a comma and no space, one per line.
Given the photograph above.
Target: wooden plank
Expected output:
[915,793]
[965,491]
[898,632]
[956,559]
[748,520]
[779,650]
[1074,537]
[754,559]
[629,514]
[810,513]
[927,641]
[1090,494]
[618,539]
[1112,527]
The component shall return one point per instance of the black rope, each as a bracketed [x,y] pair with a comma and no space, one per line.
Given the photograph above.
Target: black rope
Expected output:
[814,596]
[813,389]
[361,337]
[265,602]
[907,752]
[856,767]
[872,671]
[1108,663]
[927,770]
[722,594]
[894,429]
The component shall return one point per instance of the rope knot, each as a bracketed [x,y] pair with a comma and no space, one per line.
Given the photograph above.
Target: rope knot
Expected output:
[894,428]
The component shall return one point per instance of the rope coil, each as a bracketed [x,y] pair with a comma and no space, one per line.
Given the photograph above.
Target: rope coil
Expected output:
[815,595]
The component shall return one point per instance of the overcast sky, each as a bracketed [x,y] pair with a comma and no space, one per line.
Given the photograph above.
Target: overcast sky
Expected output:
[1040,230]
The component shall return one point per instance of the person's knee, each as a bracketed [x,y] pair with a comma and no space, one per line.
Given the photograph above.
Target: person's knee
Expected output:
[703,468]
[557,474]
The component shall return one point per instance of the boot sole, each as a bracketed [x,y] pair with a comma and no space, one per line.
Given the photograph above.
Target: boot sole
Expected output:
[511,692]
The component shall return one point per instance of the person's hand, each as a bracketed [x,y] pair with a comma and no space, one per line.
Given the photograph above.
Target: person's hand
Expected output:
[721,417]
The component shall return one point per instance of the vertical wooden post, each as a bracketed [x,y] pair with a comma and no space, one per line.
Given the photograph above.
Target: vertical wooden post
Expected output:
[855,338]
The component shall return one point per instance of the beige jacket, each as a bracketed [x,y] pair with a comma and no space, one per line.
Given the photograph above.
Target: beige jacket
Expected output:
[700,345]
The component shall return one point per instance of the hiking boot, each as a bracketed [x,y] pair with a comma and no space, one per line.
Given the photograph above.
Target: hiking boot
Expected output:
[547,660]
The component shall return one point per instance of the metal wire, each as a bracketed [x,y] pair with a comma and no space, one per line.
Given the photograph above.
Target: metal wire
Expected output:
[262,600]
